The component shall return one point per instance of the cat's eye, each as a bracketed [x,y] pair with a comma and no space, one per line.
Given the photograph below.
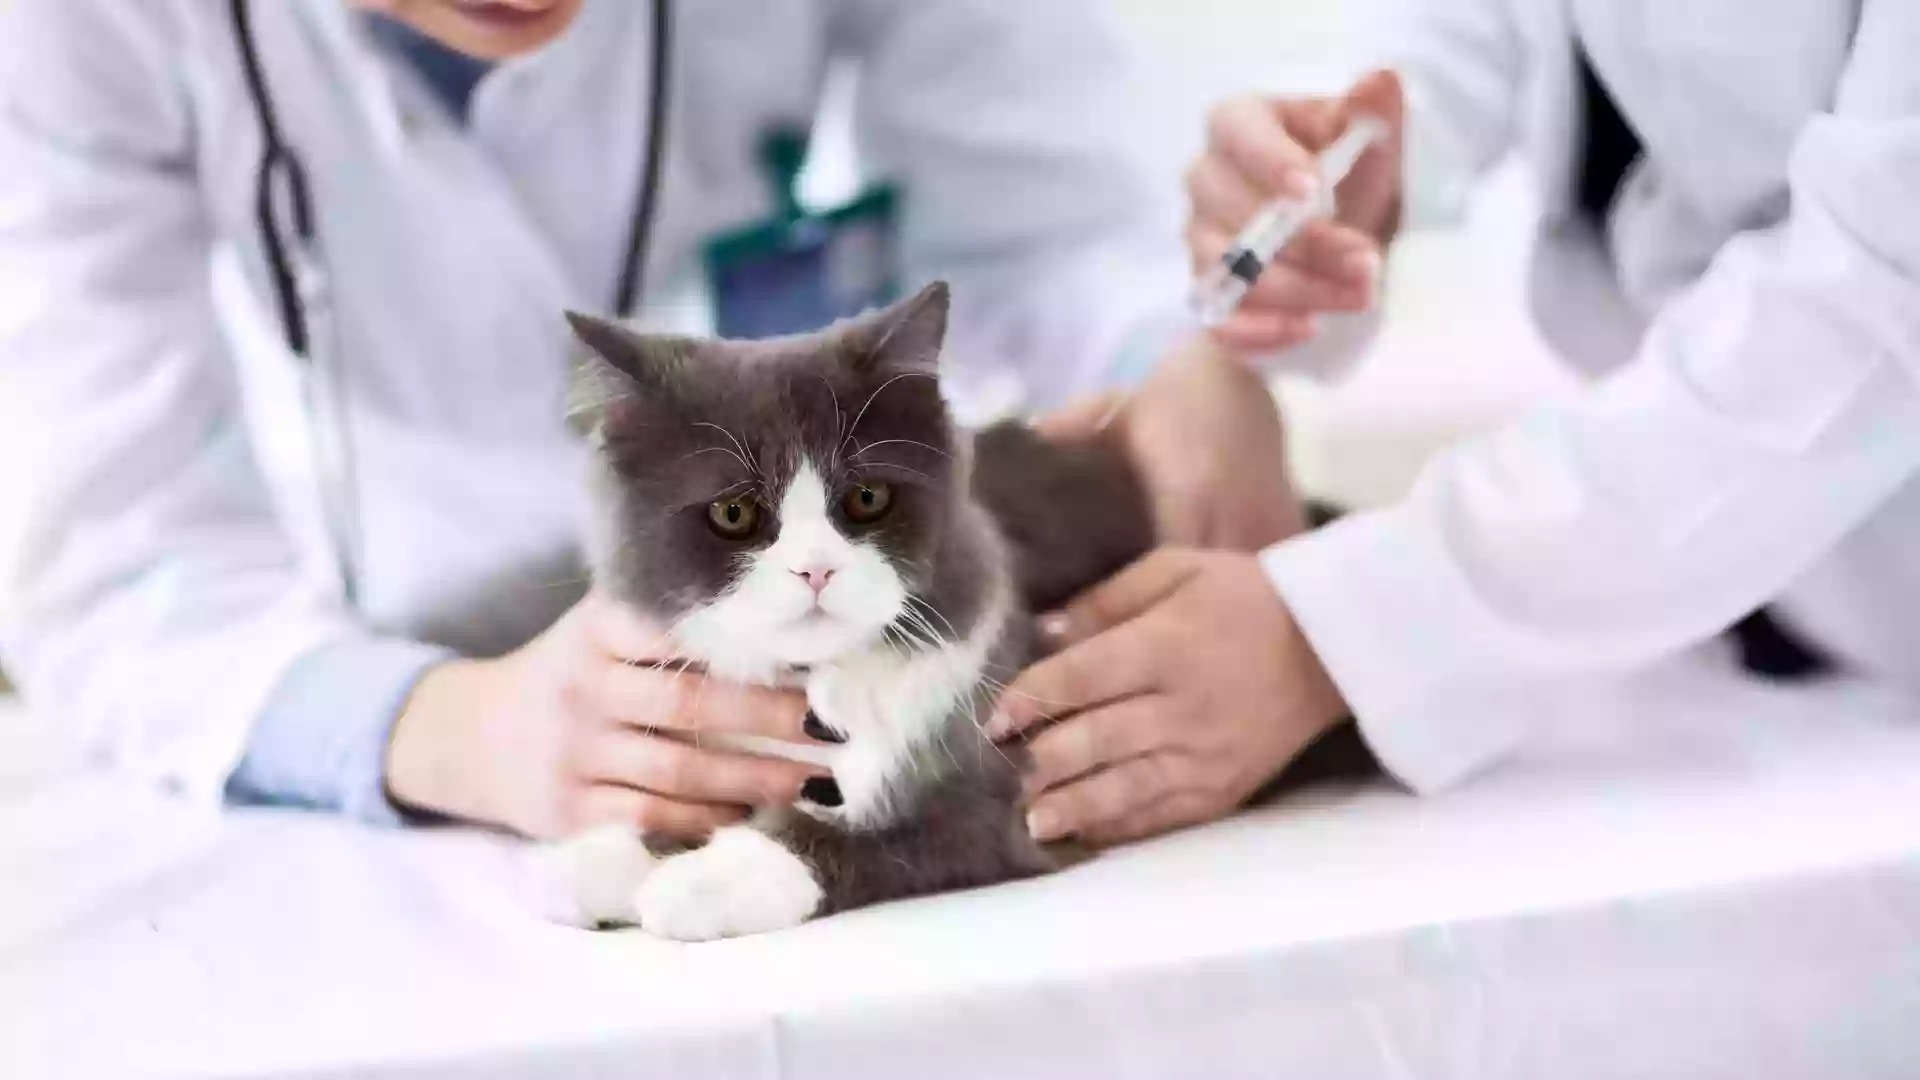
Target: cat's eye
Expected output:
[867,502]
[735,518]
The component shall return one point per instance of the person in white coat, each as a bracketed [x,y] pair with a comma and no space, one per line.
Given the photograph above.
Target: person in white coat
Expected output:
[1731,239]
[282,356]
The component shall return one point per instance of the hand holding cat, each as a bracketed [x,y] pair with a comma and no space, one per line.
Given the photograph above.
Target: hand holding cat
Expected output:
[1185,686]
[590,724]
[1259,149]
[1205,435]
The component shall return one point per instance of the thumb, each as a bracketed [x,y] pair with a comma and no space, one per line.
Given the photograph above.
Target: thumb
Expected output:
[1379,94]
[1370,197]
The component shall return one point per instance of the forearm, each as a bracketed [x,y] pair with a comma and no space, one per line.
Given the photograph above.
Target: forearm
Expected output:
[440,756]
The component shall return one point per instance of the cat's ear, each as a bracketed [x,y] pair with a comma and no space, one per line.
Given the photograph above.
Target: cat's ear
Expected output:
[651,361]
[621,364]
[908,335]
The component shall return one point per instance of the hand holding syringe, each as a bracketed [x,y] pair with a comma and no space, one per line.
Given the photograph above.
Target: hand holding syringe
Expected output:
[1218,292]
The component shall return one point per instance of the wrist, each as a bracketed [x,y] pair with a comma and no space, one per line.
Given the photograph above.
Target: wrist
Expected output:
[431,765]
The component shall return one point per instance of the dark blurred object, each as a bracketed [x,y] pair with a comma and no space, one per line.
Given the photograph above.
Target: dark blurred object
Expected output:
[1610,149]
[1767,647]
[1340,755]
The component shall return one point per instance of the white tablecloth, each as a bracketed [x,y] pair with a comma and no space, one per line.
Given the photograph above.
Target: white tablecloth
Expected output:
[1734,890]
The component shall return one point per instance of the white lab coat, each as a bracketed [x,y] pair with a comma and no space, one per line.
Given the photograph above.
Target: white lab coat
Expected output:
[164,562]
[1755,304]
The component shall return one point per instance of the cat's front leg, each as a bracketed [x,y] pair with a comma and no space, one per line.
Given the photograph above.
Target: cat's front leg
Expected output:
[590,880]
[742,881]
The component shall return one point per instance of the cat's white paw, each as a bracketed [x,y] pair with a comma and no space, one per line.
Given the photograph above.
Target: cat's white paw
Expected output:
[590,880]
[741,882]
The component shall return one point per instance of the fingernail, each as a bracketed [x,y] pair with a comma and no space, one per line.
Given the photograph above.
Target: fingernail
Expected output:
[1362,266]
[1054,626]
[1299,185]
[817,729]
[1043,824]
[824,790]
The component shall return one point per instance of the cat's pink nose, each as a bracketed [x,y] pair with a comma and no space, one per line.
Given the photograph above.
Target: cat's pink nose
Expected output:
[817,578]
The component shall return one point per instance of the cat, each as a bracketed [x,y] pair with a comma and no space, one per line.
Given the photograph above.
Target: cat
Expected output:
[804,511]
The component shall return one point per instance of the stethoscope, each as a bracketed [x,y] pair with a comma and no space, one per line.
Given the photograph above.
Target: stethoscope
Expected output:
[304,296]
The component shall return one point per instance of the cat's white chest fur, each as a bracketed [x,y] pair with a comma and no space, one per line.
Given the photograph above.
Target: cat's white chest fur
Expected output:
[890,710]
[890,707]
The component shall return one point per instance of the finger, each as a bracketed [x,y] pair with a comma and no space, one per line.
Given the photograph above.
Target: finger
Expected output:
[1380,94]
[1332,252]
[1221,195]
[1172,812]
[677,770]
[1376,172]
[1285,287]
[1314,123]
[1257,333]
[1079,419]
[1097,738]
[1109,795]
[1128,593]
[611,804]
[619,631]
[1115,665]
[693,702]
[1253,139]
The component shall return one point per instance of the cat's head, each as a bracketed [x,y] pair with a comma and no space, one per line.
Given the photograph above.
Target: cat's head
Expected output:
[784,502]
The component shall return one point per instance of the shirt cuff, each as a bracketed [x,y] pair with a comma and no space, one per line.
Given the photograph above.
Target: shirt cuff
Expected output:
[321,741]
[1364,590]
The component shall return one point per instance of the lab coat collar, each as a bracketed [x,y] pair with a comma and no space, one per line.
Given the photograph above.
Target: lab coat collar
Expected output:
[370,79]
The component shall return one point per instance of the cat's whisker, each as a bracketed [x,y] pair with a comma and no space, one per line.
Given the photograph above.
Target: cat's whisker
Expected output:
[907,442]
[720,450]
[935,612]
[974,708]
[743,454]
[894,465]
[855,427]
[839,419]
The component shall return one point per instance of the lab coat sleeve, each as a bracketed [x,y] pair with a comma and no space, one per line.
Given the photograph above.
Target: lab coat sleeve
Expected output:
[1461,66]
[1015,134]
[1772,408]
[151,603]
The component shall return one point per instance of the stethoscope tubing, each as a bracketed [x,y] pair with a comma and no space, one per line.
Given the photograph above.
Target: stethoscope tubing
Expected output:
[302,291]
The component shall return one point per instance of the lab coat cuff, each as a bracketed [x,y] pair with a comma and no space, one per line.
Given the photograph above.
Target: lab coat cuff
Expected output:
[1363,592]
[321,741]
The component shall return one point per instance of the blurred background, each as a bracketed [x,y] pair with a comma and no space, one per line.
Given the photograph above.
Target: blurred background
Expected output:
[1457,352]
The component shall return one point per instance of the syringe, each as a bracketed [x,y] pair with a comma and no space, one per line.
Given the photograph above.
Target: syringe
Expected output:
[1218,292]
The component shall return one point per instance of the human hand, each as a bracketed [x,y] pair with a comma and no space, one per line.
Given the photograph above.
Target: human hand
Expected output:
[591,723]
[1184,687]
[1259,149]
[1204,434]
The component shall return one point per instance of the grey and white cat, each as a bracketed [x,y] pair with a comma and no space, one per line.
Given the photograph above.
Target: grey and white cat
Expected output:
[804,510]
